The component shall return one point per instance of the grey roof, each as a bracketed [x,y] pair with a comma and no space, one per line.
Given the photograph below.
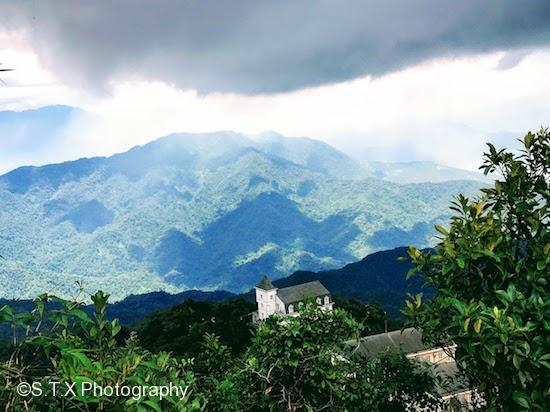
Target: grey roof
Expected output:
[451,380]
[409,341]
[265,284]
[300,292]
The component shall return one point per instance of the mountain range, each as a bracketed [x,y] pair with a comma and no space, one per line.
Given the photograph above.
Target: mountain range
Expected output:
[204,211]
[379,277]
[419,172]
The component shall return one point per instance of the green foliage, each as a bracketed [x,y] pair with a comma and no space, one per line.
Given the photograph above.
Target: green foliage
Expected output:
[298,363]
[490,271]
[371,316]
[219,376]
[296,360]
[303,363]
[391,382]
[181,328]
[77,348]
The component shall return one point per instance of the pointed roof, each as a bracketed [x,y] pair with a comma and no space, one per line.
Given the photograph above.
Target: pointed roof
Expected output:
[265,284]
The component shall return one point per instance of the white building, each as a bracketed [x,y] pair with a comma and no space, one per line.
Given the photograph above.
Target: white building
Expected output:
[285,301]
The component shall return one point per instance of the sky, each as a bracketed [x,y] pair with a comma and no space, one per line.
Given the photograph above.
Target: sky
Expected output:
[391,80]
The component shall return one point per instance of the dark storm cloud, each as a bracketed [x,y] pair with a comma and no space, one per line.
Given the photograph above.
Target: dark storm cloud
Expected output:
[265,46]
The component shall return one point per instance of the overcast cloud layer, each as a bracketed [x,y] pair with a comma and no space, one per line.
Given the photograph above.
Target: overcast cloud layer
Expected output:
[264,47]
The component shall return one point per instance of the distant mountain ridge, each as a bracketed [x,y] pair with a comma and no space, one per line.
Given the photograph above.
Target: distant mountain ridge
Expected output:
[420,172]
[46,127]
[209,211]
[379,277]
[35,135]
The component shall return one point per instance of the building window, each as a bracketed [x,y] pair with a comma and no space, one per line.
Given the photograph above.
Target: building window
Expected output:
[290,308]
[327,300]
[318,300]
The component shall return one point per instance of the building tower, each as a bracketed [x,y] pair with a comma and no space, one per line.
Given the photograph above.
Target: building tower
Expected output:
[266,297]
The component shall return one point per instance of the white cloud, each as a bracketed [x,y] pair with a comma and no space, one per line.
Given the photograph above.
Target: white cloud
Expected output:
[443,110]
[29,85]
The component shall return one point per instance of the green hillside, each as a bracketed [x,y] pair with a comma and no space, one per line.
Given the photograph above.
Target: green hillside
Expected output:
[211,211]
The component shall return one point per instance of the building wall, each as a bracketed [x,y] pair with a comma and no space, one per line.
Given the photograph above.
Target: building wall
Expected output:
[437,355]
[279,306]
[266,300]
[269,303]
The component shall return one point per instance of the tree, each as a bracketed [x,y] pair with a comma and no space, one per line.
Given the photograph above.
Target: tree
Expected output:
[390,382]
[219,376]
[294,362]
[490,272]
[180,329]
[307,363]
[302,363]
[371,315]
[68,346]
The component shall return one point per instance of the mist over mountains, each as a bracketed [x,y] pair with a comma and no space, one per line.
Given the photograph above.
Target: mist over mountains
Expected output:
[206,211]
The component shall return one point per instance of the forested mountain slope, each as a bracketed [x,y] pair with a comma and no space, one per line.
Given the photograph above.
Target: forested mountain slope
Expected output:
[208,211]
